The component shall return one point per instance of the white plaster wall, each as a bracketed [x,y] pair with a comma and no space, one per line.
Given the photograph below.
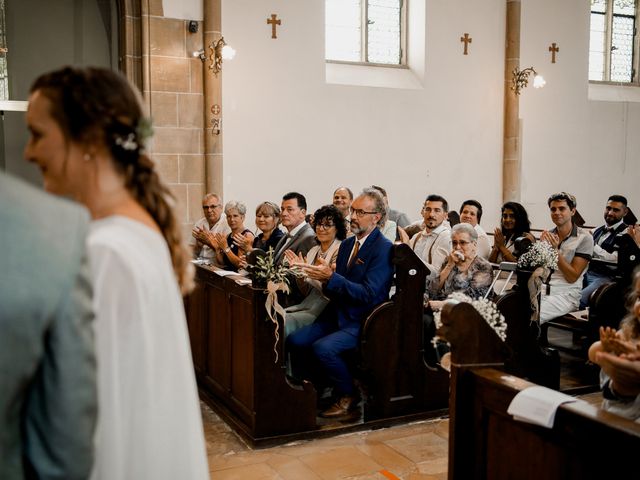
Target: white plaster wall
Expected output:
[286,129]
[589,148]
[183,9]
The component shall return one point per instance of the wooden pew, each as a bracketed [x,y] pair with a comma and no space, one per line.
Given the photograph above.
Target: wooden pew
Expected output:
[397,379]
[606,309]
[526,356]
[487,443]
[234,351]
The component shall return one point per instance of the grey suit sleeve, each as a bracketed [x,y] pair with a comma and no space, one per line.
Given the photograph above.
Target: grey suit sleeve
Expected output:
[307,244]
[62,409]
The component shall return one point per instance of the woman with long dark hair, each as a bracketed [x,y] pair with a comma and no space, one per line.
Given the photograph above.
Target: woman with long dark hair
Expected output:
[514,223]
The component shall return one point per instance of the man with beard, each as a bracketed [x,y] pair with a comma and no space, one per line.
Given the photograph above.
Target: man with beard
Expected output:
[361,281]
[605,248]
[433,243]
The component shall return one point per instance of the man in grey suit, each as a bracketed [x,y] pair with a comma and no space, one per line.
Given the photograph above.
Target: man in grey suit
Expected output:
[47,364]
[300,237]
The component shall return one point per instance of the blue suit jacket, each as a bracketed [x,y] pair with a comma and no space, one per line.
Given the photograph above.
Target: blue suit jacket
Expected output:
[355,291]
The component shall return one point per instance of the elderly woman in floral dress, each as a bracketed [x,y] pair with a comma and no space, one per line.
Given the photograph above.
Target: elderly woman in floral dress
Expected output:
[464,271]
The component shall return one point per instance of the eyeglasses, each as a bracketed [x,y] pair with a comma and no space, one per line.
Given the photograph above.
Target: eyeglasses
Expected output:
[210,207]
[360,213]
[462,243]
[325,226]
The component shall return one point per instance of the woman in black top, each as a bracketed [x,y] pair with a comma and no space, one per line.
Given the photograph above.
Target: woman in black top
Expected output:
[228,251]
[267,221]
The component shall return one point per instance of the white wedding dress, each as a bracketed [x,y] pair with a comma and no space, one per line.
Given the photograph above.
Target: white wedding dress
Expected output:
[149,421]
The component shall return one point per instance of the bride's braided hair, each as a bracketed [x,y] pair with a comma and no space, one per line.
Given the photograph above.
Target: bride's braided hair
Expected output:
[96,105]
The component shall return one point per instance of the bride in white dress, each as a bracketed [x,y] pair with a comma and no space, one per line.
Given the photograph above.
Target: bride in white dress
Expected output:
[87,136]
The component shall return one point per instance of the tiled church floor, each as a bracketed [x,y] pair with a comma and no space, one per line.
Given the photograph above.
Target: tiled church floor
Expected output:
[413,451]
[410,452]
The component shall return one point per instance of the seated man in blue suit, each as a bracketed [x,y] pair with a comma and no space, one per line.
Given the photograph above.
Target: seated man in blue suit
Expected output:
[360,282]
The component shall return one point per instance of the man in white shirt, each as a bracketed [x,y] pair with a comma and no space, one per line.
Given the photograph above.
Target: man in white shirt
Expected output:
[433,243]
[204,230]
[605,248]
[575,247]
[471,213]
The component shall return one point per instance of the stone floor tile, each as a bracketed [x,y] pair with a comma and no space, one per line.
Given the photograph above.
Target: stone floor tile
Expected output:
[291,468]
[257,471]
[434,467]
[421,447]
[386,456]
[341,462]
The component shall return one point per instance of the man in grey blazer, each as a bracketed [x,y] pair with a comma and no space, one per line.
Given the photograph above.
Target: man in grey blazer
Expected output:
[47,364]
[300,236]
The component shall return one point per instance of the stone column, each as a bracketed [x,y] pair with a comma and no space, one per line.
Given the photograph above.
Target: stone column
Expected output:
[212,98]
[511,167]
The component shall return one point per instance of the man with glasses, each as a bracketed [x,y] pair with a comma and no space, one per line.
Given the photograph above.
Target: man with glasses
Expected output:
[433,244]
[361,280]
[575,247]
[204,230]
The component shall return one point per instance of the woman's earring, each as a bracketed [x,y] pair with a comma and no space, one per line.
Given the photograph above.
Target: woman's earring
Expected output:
[86,157]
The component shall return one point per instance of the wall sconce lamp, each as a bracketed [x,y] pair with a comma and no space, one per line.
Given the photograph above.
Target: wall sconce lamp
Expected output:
[520,79]
[218,51]
[200,54]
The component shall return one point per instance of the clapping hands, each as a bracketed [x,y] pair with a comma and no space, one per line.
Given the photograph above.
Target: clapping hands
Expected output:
[322,271]
[293,259]
[551,238]
[613,343]
[634,232]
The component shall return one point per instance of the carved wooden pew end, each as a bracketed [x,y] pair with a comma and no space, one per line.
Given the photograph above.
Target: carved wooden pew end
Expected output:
[486,442]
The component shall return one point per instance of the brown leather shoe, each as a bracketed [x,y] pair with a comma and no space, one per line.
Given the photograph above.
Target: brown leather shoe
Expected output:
[343,407]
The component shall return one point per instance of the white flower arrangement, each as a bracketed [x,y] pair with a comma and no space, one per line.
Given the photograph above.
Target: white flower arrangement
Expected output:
[484,307]
[540,254]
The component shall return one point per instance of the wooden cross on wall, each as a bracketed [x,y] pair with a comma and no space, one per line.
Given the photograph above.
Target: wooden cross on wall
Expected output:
[274,23]
[553,49]
[467,40]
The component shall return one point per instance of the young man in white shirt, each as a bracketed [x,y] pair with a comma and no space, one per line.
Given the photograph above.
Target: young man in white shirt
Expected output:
[575,247]
[433,243]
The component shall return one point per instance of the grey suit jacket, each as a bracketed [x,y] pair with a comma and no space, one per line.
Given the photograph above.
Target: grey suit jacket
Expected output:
[301,242]
[47,363]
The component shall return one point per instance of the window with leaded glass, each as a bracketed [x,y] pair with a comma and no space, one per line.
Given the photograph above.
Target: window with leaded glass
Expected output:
[613,48]
[4,75]
[365,31]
